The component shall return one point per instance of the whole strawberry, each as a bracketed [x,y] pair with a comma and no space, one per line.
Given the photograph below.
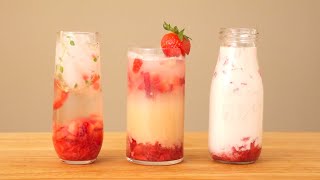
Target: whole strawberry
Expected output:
[175,43]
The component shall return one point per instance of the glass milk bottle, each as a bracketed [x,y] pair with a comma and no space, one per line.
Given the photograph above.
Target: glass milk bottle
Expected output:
[77,107]
[236,99]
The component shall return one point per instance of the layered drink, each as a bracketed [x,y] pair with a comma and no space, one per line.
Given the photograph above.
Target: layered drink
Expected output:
[155,107]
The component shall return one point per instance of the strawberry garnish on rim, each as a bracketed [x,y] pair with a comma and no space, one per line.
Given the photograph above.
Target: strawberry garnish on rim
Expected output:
[175,43]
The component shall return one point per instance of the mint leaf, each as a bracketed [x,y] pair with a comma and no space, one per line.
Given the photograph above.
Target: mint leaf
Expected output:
[72,43]
[95,59]
[61,68]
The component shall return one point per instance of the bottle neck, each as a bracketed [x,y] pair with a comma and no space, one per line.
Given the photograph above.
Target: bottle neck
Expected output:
[238,37]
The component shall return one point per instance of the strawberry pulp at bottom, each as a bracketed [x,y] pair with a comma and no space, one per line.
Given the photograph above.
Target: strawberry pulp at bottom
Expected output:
[79,140]
[153,152]
[239,154]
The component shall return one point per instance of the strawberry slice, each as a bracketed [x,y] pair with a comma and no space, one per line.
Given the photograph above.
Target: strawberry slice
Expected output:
[60,95]
[164,87]
[175,43]
[137,63]
[95,81]
[147,84]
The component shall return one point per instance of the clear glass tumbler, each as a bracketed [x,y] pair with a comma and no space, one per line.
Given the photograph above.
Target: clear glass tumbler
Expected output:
[77,107]
[155,107]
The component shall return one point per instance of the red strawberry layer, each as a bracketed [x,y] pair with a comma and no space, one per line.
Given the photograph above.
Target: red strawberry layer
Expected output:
[240,154]
[80,140]
[152,152]
[153,84]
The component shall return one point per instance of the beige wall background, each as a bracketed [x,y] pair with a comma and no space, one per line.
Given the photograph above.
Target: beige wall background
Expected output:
[288,55]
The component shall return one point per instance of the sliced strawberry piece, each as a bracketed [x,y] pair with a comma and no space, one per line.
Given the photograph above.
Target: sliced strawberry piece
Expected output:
[164,87]
[95,78]
[60,95]
[147,84]
[137,63]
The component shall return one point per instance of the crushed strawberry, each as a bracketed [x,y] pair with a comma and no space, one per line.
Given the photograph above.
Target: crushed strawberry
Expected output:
[153,152]
[240,154]
[80,140]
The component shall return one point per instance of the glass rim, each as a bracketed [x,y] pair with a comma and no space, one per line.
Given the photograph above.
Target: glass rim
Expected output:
[148,49]
[77,32]
[251,31]
[153,54]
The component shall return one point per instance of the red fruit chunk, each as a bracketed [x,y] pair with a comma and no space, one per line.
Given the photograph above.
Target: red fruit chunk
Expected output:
[152,152]
[137,63]
[164,87]
[95,78]
[80,140]
[96,86]
[240,154]
[147,84]
[60,95]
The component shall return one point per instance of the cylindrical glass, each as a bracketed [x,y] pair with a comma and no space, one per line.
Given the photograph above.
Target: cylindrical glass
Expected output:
[236,101]
[77,106]
[155,107]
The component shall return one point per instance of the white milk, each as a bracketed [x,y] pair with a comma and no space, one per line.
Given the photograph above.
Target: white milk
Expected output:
[236,100]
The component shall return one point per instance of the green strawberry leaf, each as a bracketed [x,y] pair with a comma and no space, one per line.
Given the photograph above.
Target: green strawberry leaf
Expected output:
[175,30]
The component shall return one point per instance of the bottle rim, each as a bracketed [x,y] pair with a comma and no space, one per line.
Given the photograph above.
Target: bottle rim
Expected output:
[238,34]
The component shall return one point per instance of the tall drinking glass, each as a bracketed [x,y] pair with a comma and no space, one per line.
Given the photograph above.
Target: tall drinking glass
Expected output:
[77,107]
[155,107]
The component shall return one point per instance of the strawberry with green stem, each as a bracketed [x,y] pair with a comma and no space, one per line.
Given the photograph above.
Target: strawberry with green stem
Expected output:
[175,43]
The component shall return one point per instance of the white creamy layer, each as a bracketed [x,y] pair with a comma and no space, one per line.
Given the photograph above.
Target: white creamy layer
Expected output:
[161,119]
[236,101]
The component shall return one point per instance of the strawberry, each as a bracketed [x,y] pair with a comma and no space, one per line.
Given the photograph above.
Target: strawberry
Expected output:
[95,78]
[147,84]
[137,63]
[164,87]
[60,95]
[175,43]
